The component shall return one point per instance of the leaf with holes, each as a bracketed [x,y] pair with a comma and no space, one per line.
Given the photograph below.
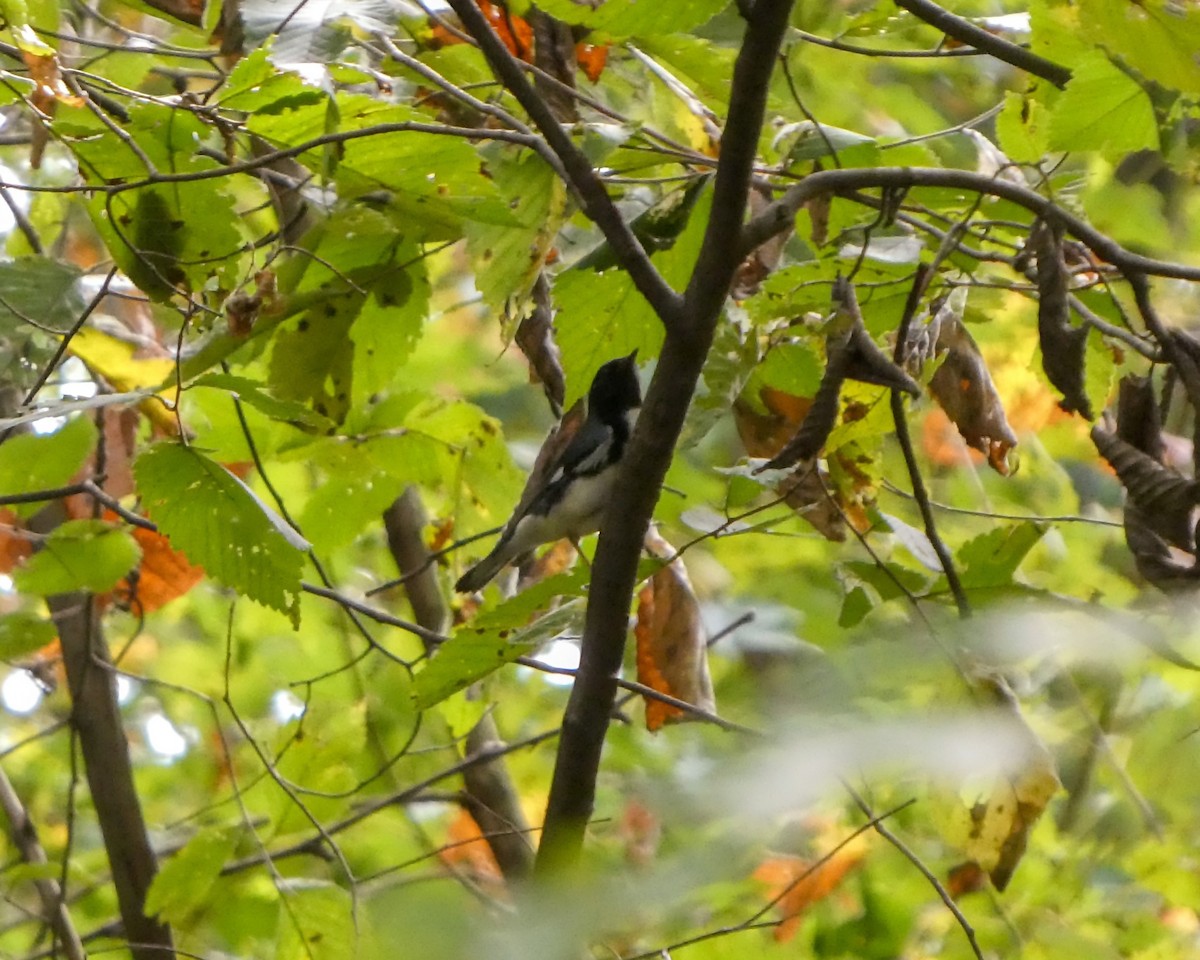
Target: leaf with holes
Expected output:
[221,525]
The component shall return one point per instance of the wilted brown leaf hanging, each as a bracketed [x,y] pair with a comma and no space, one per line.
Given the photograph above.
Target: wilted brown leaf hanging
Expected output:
[1063,345]
[962,385]
[672,645]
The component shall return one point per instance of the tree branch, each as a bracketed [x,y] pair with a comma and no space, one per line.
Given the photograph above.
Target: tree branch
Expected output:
[780,214]
[585,724]
[25,838]
[96,718]
[581,177]
[491,797]
[920,494]
[968,33]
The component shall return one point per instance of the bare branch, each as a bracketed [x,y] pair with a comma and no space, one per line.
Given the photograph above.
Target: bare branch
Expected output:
[968,33]
[780,214]
[490,794]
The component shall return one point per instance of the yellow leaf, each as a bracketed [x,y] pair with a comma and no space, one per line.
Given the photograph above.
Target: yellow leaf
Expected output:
[114,360]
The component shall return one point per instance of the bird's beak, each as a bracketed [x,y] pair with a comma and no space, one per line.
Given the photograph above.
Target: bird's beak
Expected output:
[632,358]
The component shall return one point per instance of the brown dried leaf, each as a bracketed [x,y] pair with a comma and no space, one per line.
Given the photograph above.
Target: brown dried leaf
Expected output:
[1063,346]
[672,645]
[535,338]
[1165,498]
[763,260]
[764,434]
[807,492]
[963,388]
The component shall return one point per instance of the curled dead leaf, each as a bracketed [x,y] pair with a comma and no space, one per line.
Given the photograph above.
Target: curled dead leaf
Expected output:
[672,644]
[1063,346]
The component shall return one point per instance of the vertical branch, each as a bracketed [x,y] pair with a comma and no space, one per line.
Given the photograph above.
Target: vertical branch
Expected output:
[489,792]
[585,724]
[96,719]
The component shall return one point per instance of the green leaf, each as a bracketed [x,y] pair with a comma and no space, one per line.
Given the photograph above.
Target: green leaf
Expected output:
[23,633]
[478,649]
[219,524]
[1159,40]
[254,394]
[618,19]
[361,481]
[39,287]
[486,482]
[390,323]
[602,315]
[316,922]
[79,555]
[168,236]
[705,67]
[991,559]
[793,368]
[507,259]
[371,297]
[869,584]
[1022,128]
[30,462]
[1103,109]
[183,883]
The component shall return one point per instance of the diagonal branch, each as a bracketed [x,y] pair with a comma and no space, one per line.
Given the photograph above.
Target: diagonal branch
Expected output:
[581,177]
[966,32]
[25,838]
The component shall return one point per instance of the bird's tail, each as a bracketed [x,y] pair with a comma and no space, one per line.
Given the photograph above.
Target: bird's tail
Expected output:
[480,575]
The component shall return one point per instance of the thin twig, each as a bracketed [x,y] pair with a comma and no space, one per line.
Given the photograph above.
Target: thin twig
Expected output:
[920,494]
[906,851]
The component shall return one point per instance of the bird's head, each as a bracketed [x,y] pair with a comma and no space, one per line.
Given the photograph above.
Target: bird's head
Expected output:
[615,389]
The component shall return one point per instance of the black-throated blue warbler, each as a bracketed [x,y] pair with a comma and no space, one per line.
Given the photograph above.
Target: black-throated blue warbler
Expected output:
[568,490]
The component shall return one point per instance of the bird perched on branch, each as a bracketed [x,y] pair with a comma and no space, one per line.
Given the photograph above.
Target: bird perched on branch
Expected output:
[574,474]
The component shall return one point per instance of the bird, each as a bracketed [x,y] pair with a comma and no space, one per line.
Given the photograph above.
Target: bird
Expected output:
[570,486]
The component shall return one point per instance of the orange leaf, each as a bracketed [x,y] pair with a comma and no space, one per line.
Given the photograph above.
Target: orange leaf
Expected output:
[764,434]
[467,848]
[966,878]
[49,88]
[515,32]
[641,831]
[164,575]
[13,547]
[672,646]
[591,59]
[798,884]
